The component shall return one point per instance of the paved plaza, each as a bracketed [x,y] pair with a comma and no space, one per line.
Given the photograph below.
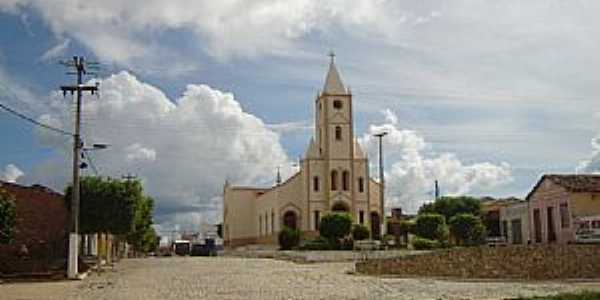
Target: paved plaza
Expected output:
[249,278]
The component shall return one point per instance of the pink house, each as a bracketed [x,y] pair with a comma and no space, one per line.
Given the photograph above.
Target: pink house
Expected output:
[558,202]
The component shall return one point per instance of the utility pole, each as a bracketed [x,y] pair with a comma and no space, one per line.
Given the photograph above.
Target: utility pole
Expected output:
[381,180]
[79,65]
[437,190]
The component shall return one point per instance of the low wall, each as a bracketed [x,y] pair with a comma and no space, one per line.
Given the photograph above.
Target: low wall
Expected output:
[512,262]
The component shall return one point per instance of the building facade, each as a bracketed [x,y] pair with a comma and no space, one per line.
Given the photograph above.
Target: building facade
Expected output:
[41,229]
[514,222]
[333,177]
[558,204]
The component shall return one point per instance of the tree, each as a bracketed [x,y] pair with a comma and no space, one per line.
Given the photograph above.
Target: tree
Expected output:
[360,232]
[451,206]
[467,229]
[107,205]
[142,235]
[335,226]
[8,215]
[117,207]
[432,227]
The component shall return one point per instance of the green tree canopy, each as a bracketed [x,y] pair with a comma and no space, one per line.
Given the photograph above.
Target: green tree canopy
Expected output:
[467,229]
[432,227]
[451,206]
[107,205]
[8,215]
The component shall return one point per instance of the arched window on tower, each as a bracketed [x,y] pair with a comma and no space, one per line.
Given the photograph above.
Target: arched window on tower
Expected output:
[316,184]
[345,180]
[338,133]
[334,180]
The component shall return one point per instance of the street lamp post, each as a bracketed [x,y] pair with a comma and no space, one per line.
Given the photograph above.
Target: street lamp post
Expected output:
[381,180]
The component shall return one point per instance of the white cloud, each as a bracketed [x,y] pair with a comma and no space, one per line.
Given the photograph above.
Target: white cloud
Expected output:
[11,173]
[57,51]
[119,30]
[591,165]
[137,152]
[183,150]
[413,167]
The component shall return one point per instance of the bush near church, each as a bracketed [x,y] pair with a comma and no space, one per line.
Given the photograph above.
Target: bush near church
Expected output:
[335,226]
[467,229]
[360,232]
[288,238]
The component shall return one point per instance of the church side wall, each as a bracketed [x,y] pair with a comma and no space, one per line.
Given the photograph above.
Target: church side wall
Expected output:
[238,211]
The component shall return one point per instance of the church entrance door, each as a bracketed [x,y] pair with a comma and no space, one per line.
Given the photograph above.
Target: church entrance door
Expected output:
[290,220]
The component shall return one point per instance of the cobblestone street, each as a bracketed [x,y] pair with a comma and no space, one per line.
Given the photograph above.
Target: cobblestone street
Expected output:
[244,278]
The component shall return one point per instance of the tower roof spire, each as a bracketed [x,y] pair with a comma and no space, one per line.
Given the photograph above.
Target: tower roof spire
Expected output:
[333,82]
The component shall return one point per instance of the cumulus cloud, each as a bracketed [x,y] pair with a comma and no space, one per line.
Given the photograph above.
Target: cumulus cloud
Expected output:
[11,173]
[119,30]
[413,167]
[591,165]
[182,150]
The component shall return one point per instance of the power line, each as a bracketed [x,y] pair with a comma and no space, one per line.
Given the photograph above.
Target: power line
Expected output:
[31,120]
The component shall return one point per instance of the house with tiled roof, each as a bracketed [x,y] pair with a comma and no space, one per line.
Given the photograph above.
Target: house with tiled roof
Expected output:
[558,206]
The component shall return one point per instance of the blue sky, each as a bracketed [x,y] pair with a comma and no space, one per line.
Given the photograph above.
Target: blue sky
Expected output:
[483,96]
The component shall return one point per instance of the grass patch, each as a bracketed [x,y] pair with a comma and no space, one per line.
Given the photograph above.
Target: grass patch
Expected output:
[568,296]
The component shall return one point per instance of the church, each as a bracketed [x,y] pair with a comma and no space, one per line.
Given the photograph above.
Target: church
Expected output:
[333,177]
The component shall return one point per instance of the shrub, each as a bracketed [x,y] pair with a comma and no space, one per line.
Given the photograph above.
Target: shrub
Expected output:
[431,226]
[335,226]
[425,244]
[360,232]
[467,229]
[288,238]
[319,243]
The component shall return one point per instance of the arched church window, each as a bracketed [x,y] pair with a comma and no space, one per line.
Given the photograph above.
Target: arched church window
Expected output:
[334,180]
[338,133]
[316,184]
[337,104]
[345,180]
[361,184]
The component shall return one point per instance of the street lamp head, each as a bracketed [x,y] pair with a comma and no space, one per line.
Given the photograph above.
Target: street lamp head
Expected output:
[100,146]
[381,134]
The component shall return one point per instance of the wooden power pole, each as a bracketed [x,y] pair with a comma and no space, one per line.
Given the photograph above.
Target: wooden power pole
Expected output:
[78,64]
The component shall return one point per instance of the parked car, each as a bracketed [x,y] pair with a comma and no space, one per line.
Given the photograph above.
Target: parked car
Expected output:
[205,248]
[182,247]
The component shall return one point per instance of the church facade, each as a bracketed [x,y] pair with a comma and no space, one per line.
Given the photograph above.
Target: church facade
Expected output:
[333,177]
